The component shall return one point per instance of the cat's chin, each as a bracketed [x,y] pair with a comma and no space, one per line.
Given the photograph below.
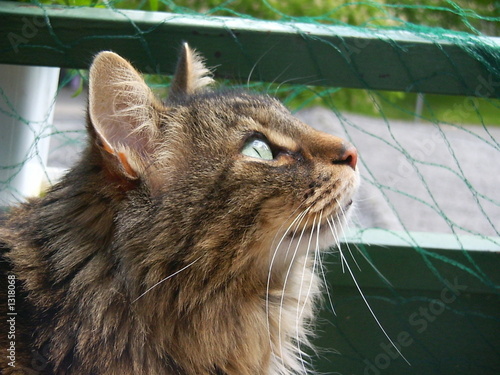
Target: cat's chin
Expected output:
[314,237]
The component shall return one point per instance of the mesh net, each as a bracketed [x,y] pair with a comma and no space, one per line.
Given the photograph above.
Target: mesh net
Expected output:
[429,163]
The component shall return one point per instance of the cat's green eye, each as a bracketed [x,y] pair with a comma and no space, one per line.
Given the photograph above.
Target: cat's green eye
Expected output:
[257,148]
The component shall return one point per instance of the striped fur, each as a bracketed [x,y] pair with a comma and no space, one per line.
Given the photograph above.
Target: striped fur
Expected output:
[165,250]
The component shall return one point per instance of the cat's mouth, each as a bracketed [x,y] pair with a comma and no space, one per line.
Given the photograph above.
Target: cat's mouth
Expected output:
[331,198]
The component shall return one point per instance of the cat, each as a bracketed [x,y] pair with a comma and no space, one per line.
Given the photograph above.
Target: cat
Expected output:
[185,241]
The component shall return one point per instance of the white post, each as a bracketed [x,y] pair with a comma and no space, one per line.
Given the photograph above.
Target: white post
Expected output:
[419,106]
[27,97]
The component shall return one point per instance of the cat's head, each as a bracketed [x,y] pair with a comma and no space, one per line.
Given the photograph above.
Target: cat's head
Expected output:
[224,170]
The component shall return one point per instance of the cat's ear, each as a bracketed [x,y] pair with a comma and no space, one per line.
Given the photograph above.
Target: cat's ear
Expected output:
[122,112]
[191,75]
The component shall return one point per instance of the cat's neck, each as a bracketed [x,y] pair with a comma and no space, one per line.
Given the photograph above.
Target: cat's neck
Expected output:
[240,320]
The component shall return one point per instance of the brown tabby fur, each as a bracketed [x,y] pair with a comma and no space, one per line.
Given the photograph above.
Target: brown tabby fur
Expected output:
[165,250]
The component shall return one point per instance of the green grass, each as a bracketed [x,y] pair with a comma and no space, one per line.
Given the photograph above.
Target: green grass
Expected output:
[459,110]
[466,110]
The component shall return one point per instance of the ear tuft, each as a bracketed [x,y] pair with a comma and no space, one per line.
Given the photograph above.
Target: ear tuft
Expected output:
[191,75]
[122,112]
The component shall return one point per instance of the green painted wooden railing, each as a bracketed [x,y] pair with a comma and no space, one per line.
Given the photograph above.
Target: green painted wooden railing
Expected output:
[266,51]
[437,296]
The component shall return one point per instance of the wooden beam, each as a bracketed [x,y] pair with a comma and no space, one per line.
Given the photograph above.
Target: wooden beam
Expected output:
[242,49]
[417,261]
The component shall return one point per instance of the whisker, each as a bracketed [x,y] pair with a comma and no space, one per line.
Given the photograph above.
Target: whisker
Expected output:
[297,219]
[316,263]
[322,268]
[316,251]
[333,228]
[298,339]
[362,254]
[295,223]
[257,63]
[290,266]
[370,308]
[166,278]
[343,233]
[347,245]
[290,80]
[290,225]
[305,266]
[292,238]
[276,78]
[325,282]
[368,260]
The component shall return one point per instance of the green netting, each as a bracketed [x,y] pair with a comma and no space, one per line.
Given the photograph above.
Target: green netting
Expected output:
[429,163]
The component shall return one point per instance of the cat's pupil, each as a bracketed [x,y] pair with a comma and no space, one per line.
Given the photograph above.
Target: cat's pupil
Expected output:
[257,148]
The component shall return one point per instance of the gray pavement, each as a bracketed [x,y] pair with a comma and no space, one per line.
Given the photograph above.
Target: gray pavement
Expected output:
[422,177]
[415,176]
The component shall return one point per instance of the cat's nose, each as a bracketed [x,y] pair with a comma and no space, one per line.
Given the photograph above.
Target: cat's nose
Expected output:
[349,156]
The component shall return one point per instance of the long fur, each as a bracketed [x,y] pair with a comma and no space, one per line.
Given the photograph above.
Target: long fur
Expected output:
[165,250]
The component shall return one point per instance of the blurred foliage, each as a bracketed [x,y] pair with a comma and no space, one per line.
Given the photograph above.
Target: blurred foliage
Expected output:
[478,16]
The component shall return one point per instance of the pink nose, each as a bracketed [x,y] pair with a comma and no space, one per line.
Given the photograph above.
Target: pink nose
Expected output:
[348,157]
